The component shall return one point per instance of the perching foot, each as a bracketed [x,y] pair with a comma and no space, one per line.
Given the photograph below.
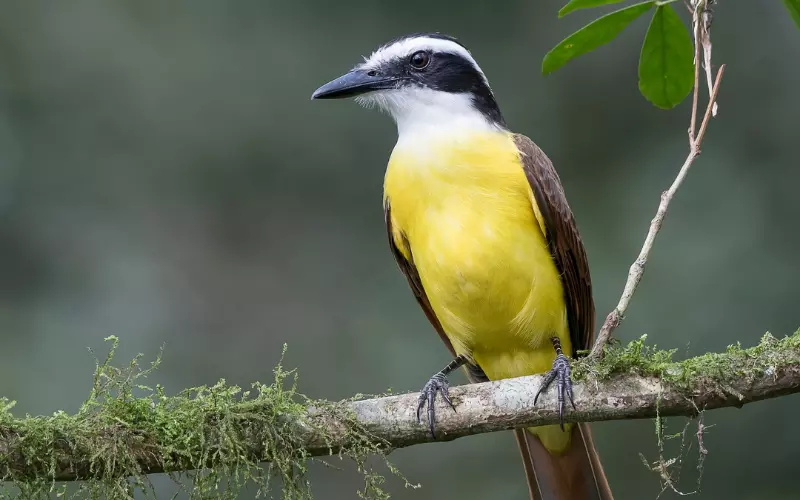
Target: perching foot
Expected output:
[437,384]
[561,373]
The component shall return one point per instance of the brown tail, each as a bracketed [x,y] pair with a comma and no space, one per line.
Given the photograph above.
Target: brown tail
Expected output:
[575,474]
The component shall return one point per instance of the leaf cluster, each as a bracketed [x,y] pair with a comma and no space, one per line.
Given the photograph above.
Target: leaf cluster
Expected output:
[666,60]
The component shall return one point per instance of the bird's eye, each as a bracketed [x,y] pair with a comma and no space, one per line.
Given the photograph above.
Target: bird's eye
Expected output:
[419,60]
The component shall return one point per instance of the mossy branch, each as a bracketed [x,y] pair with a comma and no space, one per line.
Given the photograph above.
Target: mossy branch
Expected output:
[223,438]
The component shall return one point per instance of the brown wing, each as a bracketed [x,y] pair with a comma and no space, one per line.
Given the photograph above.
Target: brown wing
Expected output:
[563,240]
[474,372]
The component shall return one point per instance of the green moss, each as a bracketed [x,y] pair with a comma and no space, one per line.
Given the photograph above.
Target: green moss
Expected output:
[215,441]
[212,441]
[635,357]
[716,372]
[641,359]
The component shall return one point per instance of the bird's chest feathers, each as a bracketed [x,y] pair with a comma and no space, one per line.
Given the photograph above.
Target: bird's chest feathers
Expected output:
[458,201]
[463,208]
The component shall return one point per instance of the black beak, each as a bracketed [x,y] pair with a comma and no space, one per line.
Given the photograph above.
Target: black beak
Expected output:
[354,83]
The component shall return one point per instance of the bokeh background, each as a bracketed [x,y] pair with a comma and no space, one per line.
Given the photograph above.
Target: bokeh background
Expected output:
[164,177]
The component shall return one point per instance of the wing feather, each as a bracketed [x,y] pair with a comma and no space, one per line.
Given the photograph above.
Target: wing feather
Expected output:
[563,240]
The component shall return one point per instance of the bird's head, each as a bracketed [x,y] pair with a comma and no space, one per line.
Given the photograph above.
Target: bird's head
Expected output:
[428,80]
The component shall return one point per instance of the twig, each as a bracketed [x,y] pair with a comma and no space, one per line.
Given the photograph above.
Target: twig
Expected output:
[636,270]
[696,92]
[701,428]
[707,118]
[706,16]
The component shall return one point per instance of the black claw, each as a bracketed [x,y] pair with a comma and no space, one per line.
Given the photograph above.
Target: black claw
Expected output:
[548,379]
[446,397]
[437,384]
[569,393]
[561,372]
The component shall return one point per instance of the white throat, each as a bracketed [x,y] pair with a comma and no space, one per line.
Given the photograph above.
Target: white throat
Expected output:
[429,112]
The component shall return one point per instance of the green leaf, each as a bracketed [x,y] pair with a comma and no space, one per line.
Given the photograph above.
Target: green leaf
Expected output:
[793,6]
[666,64]
[593,35]
[574,5]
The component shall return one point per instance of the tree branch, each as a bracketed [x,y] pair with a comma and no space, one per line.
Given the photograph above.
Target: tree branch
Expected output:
[701,19]
[630,382]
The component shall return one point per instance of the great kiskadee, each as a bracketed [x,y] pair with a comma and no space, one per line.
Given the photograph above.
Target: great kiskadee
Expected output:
[479,225]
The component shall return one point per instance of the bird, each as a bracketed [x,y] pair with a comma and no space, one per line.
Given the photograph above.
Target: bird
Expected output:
[478,222]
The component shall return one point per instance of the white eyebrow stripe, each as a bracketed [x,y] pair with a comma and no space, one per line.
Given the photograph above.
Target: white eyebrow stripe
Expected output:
[408,46]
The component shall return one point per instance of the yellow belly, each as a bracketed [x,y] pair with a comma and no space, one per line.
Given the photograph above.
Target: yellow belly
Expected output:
[467,214]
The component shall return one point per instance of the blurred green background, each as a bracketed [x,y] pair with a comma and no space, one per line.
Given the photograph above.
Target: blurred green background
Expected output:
[164,177]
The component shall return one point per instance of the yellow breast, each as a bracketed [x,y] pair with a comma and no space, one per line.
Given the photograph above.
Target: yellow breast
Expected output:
[465,209]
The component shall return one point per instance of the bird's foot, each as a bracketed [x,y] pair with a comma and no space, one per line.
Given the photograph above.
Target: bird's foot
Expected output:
[437,384]
[561,373]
